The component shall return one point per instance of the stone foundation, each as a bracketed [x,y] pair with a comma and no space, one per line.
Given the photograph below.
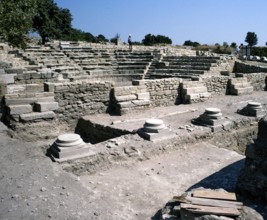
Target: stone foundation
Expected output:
[253,178]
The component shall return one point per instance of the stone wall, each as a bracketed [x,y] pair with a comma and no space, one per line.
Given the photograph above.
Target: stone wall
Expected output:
[253,177]
[216,85]
[248,68]
[163,92]
[257,80]
[80,98]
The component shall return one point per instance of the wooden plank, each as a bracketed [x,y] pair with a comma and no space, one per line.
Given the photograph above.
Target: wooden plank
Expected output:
[214,194]
[214,202]
[210,210]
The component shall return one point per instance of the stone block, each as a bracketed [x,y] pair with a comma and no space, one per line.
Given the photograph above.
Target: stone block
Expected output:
[143,96]
[3,88]
[45,106]
[49,87]
[2,71]
[15,71]
[19,109]
[20,101]
[125,98]
[192,96]
[126,104]
[7,78]
[141,102]
[161,135]
[193,90]
[37,116]
[205,95]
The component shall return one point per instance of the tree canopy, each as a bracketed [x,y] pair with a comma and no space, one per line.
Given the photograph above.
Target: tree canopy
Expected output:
[191,43]
[251,39]
[50,21]
[150,40]
[16,20]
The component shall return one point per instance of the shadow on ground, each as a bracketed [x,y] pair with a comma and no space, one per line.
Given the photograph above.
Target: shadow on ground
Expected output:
[226,179]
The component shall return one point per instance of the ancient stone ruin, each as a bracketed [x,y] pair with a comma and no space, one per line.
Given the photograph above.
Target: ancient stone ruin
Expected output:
[253,178]
[101,105]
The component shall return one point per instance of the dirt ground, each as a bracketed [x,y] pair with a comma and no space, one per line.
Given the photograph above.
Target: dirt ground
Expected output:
[33,187]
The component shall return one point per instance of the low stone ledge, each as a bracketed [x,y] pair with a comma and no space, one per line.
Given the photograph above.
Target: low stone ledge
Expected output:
[45,106]
[19,109]
[37,116]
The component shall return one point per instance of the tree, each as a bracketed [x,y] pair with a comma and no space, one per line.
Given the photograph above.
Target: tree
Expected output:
[191,43]
[101,39]
[251,39]
[225,44]
[233,45]
[16,20]
[51,21]
[150,40]
[79,35]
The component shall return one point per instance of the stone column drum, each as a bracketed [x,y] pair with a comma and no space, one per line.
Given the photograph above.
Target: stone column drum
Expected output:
[67,146]
[154,129]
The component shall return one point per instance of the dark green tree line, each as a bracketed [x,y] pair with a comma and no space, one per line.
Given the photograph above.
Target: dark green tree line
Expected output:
[150,40]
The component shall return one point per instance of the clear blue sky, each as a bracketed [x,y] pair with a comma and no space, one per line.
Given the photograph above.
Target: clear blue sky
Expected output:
[204,21]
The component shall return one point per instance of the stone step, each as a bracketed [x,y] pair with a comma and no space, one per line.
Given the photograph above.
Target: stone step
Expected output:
[25,88]
[8,78]
[240,91]
[34,116]
[240,85]
[194,90]
[45,106]
[125,98]
[19,109]
[28,98]
[131,66]
[177,70]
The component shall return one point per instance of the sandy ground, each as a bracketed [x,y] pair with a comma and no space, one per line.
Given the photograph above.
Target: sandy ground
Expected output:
[32,187]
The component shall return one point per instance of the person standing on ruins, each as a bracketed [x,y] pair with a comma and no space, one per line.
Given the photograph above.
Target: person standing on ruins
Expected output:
[130,42]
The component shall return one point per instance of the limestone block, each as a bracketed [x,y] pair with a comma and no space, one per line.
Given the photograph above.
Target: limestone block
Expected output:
[15,88]
[2,71]
[45,106]
[125,98]
[3,88]
[192,96]
[19,109]
[15,71]
[126,104]
[20,101]
[141,102]
[7,78]
[37,116]
[143,96]
[194,90]
[205,95]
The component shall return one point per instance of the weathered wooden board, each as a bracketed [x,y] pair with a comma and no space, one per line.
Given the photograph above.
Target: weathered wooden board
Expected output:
[214,194]
[214,202]
[210,210]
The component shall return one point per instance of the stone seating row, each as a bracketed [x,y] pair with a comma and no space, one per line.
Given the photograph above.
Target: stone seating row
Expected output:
[29,106]
[193,92]
[129,98]
[239,86]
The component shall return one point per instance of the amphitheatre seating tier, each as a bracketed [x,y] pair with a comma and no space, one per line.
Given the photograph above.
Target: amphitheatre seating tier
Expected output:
[193,92]
[129,98]
[183,66]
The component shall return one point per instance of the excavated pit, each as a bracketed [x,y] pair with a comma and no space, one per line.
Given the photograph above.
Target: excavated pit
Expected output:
[115,139]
